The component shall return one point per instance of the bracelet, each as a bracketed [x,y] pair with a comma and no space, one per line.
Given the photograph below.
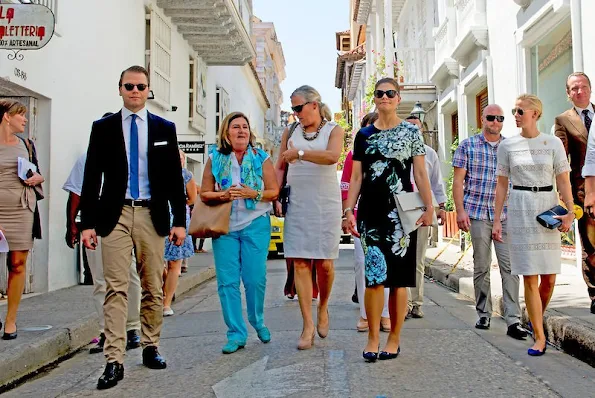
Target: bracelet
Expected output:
[258,197]
[346,210]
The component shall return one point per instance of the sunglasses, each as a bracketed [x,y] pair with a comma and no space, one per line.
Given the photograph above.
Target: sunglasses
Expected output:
[130,86]
[491,118]
[298,108]
[517,110]
[389,93]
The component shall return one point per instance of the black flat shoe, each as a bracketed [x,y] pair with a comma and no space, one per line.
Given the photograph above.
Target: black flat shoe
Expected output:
[517,332]
[152,359]
[132,339]
[383,356]
[370,356]
[483,323]
[113,373]
[593,306]
[99,346]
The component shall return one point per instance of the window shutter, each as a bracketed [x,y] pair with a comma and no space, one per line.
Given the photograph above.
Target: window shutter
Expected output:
[160,58]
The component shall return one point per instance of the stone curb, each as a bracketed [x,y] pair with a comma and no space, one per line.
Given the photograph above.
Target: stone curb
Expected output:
[23,361]
[573,337]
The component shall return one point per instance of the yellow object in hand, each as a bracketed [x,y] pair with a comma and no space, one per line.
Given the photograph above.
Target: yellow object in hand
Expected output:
[578,212]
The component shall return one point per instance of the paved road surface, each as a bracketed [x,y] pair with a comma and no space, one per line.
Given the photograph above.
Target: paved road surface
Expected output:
[442,356]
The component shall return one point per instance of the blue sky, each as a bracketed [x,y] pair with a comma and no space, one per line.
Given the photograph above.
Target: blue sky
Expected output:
[306,30]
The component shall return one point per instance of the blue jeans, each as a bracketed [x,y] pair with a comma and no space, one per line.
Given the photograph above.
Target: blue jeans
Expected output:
[243,255]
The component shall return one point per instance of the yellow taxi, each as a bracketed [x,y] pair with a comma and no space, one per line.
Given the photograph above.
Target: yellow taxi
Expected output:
[276,245]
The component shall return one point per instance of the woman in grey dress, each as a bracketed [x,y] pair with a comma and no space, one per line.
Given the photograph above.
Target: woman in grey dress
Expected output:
[312,228]
[534,163]
[18,206]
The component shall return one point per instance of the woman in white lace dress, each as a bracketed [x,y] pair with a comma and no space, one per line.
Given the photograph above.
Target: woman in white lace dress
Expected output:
[535,163]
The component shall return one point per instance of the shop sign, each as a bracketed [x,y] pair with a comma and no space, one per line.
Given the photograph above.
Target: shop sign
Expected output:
[25,26]
[192,146]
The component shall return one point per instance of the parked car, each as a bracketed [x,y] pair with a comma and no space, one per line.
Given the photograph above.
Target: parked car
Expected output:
[276,245]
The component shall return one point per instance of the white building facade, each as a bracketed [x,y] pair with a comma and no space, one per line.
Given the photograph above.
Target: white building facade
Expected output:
[490,52]
[199,56]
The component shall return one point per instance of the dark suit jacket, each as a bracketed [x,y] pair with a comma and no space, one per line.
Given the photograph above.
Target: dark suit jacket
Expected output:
[573,133]
[106,157]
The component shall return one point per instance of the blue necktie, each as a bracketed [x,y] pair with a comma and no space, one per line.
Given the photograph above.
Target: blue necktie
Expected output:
[134,191]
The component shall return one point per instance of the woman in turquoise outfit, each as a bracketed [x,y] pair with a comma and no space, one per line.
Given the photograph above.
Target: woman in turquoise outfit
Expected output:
[237,171]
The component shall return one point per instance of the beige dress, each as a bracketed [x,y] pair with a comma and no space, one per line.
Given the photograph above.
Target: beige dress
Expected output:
[17,202]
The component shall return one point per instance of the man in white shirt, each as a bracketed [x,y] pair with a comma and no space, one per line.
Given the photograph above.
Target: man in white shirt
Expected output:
[572,127]
[416,294]
[73,186]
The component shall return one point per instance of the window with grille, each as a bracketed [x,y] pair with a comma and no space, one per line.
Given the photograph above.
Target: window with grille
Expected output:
[159,56]
[454,119]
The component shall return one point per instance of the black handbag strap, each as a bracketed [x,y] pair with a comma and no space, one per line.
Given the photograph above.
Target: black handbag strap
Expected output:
[289,134]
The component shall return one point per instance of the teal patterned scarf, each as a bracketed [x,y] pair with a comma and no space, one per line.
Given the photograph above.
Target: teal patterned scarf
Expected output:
[251,170]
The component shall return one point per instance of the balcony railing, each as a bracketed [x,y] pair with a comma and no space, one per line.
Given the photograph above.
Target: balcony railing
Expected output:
[415,65]
[469,13]
[441,40]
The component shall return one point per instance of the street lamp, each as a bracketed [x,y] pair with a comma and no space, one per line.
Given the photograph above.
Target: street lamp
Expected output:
[419,111]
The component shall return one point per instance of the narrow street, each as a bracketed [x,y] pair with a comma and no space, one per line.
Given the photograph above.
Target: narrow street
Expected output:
[442,355]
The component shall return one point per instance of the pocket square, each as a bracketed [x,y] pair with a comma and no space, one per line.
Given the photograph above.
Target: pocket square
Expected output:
[160,143]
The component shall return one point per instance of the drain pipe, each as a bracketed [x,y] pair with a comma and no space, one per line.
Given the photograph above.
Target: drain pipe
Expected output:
[490,78]
[577,36]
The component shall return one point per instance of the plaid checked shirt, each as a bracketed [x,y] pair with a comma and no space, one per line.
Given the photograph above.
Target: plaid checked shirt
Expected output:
[479,158]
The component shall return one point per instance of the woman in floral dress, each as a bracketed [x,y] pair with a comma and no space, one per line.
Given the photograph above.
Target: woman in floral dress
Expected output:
[383,155]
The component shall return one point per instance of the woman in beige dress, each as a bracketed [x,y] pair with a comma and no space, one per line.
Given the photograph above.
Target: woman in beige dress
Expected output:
[18,206]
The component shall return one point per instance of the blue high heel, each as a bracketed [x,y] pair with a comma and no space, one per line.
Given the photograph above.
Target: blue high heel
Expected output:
[383,356]
[370,356]
[536,353]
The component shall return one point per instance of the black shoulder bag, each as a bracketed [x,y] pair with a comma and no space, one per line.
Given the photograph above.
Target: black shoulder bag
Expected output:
[285,188]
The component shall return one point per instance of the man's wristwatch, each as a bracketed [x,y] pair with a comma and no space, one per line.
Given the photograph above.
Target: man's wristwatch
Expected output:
[300,154]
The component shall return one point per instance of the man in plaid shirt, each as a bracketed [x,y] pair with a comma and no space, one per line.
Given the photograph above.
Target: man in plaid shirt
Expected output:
[474,193]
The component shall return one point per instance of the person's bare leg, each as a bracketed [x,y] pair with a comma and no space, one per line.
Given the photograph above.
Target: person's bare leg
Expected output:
[325,273]
[398,308]
[170,283]
[303,286]
[533,303]
[546,289]
[17,261]
[374,302]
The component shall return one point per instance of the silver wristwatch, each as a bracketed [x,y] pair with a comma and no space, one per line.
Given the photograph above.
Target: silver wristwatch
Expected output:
[300,154]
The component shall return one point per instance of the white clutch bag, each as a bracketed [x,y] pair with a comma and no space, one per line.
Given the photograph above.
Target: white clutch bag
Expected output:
[410,207]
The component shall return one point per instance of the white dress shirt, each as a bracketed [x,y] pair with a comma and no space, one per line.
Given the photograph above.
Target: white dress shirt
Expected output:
[74,183]
[582,115]
[143,146]
[434,174]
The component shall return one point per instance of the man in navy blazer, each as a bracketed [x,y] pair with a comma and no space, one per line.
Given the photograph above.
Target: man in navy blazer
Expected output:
[132,176]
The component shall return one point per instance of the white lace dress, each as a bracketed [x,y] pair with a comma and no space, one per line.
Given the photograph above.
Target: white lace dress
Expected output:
[532,162]
[313,222]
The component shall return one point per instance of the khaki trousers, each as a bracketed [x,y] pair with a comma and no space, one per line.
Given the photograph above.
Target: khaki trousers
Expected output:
[96,267]
[134,230]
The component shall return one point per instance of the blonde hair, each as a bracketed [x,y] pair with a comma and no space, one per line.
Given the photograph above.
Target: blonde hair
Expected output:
[12,108]
[223,141]
[311,95]
[183,157]
[534,102]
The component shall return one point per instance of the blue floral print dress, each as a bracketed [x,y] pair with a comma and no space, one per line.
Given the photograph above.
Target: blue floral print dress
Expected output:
[386,157]
[186,250]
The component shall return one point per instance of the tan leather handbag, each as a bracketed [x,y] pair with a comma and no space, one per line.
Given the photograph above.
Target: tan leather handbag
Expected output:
[209,221]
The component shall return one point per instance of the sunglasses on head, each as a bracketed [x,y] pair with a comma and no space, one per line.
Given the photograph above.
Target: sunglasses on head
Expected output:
[130,86]
[491,118]
[298,108]
[517,110]
[389,93]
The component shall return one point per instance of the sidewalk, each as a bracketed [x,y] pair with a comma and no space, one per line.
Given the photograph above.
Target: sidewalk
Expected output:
[569,322]
[71,315]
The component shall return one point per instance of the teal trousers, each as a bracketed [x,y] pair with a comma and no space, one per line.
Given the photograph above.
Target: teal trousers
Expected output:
[242,255]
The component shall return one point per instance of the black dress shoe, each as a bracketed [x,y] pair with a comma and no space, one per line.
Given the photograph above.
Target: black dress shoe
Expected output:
[133,339]
[517,332]
[483,323]
[593,306]
[383,356]
[113,373]
[99,347]
[152,359]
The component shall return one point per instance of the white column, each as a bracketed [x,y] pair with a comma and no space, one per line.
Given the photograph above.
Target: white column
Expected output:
[388,39]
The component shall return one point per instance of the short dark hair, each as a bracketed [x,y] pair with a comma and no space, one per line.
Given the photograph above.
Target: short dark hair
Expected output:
[369,119]
[135,69]
[390,81]
[412,117]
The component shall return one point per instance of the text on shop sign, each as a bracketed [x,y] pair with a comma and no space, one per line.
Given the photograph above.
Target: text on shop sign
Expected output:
[25,26]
